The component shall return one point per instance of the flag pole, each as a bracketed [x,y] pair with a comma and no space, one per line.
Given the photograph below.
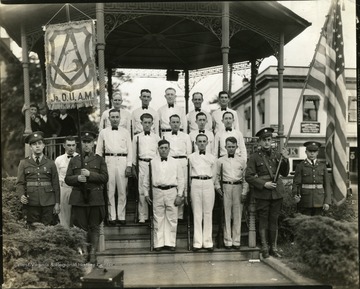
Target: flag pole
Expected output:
[302,92]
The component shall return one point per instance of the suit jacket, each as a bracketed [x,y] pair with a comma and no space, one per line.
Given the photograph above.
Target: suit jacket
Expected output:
[50,127]
[45,172]
[306,173]
[95,182]
[257,174]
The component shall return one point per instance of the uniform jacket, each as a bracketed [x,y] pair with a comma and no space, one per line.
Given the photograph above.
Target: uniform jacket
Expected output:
[45,172]
[257,174]
[306,173]
[95,182]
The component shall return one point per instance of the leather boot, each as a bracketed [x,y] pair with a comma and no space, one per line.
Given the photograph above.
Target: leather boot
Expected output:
[94,240]
[273,250]
[264,245]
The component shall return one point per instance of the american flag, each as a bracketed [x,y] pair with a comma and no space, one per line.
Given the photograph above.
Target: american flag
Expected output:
[326,76]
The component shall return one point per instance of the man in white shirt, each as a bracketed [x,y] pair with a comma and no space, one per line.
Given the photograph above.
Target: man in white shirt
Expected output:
[180,149]
[221,136]
[145,96]
[217,115]
[145,148]
[62,163]
[168,185]
[201,122]
[114,143]
[203,173]
[197,99]
[233,189]
[125,116]
[168,110]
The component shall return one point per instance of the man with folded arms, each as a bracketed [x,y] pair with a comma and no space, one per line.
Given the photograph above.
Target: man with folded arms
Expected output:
[168,187]
[114,143]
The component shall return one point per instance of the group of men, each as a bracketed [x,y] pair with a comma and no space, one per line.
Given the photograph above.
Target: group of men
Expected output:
[178,161]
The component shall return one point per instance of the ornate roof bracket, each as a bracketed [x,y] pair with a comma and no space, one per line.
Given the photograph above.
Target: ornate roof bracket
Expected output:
[112,21]
[275,46]
[32,38]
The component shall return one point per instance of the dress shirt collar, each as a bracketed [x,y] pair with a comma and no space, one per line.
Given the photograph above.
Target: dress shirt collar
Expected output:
[63,116]
[40,157]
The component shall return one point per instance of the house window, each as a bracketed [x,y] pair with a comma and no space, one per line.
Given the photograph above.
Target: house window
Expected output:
[311,107]
[261,109]
[352,109]
[247,114]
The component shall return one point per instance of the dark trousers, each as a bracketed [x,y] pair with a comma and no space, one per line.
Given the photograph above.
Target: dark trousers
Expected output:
[311,211]
[268,212]
[39,214]
[87,218]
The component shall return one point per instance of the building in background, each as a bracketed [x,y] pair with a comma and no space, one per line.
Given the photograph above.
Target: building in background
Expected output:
[310,122]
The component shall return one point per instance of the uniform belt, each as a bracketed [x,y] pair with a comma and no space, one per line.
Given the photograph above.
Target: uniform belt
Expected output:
[169,129]
[312,186]
[201,178]
[232,183]
[164,187]
[179,157]
[145,160]
[35,184]
[115,155]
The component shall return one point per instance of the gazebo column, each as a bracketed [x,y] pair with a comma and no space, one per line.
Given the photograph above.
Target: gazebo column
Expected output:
[25,66]
[101,60]
[187,91]
[225,44]
[101,52]
[280,70]
[109,84]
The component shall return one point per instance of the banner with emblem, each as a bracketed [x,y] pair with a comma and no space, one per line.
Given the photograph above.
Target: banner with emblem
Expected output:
[70,65]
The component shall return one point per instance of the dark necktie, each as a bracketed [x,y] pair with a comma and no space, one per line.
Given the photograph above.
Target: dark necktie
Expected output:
[230,156]
[37,160]
[313,162]
[145,107]
[171,106]
[164,159]
[201,131]
[174,132]
[228,129]
[69,156]
[202,153]
[223,109]
[114,128]
[146,133]
[197,109]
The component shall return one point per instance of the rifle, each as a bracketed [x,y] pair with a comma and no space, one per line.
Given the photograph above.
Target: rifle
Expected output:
[188,210]
[105,193]
[151,212]
[219,149]
[220,233]
[137,176]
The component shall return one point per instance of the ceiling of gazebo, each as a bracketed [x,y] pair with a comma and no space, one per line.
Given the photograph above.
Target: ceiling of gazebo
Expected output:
[183,35]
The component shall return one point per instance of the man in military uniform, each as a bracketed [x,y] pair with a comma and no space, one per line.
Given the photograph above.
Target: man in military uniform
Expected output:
[38,183]
[87,199]
[260,173]
[311,185]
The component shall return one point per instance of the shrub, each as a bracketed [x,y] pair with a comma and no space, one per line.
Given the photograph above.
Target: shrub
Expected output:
[46,256]
[329,247]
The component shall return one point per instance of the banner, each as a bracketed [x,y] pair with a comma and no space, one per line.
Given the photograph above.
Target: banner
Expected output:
[70,65]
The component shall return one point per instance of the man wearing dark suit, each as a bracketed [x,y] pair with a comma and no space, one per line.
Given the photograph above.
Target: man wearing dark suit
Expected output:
[260,172]
[48,124]
[67,124]
[87,199]
[38,183]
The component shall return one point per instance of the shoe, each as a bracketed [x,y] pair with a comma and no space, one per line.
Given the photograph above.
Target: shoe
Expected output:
[172,248]
[195,249]
[236,247]
[211,249]
[142,221]
[158,249]
[121,222]
[228,247]
[112,223]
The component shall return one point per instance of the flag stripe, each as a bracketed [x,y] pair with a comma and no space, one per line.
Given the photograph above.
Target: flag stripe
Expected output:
[326,76]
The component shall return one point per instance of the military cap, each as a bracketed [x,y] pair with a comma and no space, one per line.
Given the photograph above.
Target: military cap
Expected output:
[34,137]
[312,145]
[265,132]
[88,135]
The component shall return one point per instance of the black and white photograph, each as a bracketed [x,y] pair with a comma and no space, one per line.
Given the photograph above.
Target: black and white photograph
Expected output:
[179,144]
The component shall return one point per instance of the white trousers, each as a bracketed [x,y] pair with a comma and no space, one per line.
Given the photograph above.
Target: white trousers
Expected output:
[143,207]
[116,169]
[65,208]
[165,217]
[233,210]
[202,199]
[183,163]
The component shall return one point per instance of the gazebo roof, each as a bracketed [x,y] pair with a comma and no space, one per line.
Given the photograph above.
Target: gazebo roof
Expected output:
[164,35]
